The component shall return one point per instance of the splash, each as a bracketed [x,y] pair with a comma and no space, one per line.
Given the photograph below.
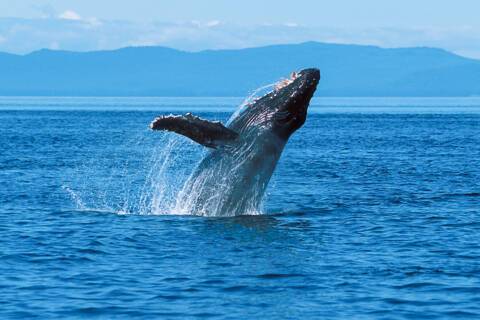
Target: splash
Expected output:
[143,176]
[152,174]
[77,200]
[163,182]
[217,190]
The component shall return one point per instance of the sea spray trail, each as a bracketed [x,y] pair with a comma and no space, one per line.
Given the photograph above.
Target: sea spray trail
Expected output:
[146,185]
[167,175]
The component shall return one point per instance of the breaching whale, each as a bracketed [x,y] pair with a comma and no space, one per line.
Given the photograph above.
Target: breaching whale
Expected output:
[232,177]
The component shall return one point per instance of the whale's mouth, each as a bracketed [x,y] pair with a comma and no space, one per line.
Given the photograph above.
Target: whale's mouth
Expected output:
[298,84]
[296,91]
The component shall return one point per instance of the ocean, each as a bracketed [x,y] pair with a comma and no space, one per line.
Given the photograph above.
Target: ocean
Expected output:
[373,213]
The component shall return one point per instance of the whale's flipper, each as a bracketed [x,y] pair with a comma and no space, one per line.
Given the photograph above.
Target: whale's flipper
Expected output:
[211,134]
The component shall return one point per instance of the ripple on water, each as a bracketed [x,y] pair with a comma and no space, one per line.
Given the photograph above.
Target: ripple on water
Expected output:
[369,216]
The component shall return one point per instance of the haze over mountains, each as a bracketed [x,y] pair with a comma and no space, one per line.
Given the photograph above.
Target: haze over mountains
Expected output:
[347,70]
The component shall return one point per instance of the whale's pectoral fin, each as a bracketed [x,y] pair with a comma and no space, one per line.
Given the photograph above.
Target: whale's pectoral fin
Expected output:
[211,134]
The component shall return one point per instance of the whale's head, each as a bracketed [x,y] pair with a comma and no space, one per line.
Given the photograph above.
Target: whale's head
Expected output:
[291,99]
[284,109]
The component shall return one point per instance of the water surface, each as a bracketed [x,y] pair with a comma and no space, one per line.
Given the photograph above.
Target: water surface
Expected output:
[373,212]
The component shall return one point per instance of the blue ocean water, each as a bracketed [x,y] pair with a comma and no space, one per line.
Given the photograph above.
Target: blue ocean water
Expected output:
[373,213]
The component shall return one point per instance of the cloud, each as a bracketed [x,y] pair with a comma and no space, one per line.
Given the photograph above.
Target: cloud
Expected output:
[73,32]
[212,23]
[200,24]
[70,15]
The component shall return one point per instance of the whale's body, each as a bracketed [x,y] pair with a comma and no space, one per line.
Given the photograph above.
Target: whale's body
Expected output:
[232,178]
[232,181]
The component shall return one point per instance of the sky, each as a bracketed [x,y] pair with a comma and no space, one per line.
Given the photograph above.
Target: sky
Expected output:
[85,25]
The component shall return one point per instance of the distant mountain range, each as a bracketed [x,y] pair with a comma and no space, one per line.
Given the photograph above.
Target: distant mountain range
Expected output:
[347,70]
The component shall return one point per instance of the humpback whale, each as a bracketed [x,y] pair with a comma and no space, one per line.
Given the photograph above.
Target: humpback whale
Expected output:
[232,177]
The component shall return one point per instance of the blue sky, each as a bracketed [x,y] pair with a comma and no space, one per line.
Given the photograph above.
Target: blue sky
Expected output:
[28,25]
